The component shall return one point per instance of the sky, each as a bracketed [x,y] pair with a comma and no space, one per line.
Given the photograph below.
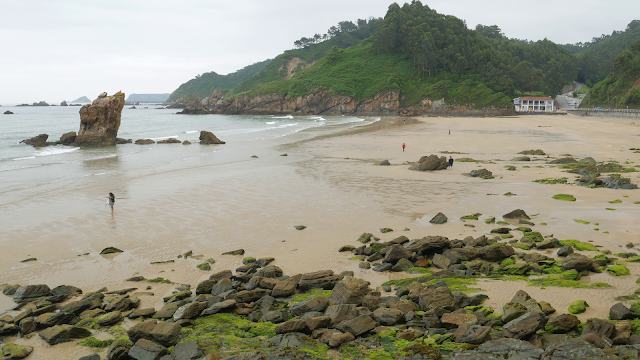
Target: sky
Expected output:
[64,49]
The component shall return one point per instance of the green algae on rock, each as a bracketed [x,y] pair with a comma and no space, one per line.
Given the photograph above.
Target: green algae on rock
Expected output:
[579,245]
[565,197]
[578,307]
[618,270]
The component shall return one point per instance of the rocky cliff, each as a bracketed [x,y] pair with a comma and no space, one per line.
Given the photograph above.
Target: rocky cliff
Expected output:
[323,102]
[100,121]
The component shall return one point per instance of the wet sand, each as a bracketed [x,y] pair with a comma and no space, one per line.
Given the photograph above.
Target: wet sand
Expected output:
[334,186]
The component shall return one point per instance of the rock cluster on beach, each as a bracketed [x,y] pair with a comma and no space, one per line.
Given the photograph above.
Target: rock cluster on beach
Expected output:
[431,162]
[277,316]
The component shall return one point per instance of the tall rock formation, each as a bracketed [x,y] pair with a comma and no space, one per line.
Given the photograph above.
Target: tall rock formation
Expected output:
[100,121]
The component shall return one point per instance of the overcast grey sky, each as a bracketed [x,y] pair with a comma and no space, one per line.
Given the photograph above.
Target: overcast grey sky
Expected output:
[64,49]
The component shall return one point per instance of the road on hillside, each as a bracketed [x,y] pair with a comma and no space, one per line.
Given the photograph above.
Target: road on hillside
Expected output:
[566,101]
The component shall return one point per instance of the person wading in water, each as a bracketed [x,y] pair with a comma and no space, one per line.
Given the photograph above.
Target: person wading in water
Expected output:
[112,200]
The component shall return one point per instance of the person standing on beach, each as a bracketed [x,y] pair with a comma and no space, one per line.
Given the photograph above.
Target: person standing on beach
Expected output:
[450,162]
[403,146]
[112,201]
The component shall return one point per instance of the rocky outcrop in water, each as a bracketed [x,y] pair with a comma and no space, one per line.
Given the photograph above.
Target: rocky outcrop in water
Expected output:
[193,106]
[8,112]
[207,138]
[64,103]
[38,141]
[100,121]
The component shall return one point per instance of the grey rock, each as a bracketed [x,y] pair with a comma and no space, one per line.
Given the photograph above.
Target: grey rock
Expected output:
[31,292]
[388,317]
[189,350]
[318,303]
[358,325]
[440,218]
[577,261]
[63,333]
[524,325]
[350,291]
[147,350]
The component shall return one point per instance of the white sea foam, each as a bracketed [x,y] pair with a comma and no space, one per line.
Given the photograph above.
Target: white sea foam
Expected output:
[165,137]
[191,132]
[24,158]
[55,151]
[284,117]
[270,122]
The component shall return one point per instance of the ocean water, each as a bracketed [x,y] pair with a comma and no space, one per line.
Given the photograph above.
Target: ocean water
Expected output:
[27,173]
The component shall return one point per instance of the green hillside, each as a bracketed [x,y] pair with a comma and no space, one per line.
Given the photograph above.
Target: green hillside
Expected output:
[203,85]
[423,54]
[596,58]
[621,89]
[311,49]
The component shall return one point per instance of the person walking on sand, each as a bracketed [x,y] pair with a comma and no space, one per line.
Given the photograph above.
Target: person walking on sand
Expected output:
[450,162]
[403,146]
[112,200]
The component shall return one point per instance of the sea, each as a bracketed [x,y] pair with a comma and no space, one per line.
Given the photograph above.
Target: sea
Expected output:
[27,172]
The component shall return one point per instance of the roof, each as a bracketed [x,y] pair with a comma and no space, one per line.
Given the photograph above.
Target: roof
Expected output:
[535,98]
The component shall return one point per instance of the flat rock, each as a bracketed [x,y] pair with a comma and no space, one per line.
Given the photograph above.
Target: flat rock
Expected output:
[14,351]
[291,326]
[147,350]
[471,334]
[561,324]
[577,261]
[165,334]
[388,317]
[524,325]
[189,311]
[350,291]
[189,350]
[62,333]
[517,215]
[318,303]
[30,292]
[358,325]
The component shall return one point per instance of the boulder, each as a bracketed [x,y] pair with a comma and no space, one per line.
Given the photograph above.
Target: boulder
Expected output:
[395,253]
[189,350]
[341,312]
[14,351]
[62,333]
[335,338]
[286,288]
[453,320]
[68,138]
[121,141]
[100,121]
[440,218]
[167,311]
[437,301]
[207,138]
[147,350]
[324,279]
[388,317]
[50,319]
[350,291]
[428,244]
[495,253]
[432,162]
[189,311]
[385,163]
[441,261]
[318,303]
[145,142]
[599,327]
[561,324]
[27,326]
[186,142]
[217,307]
[471,334]
[8,112]
[565,250]
[170,141]
[517,215]
[504,348]
[358,325]
[119,351]
[109,318]
[146,312]
[31,292]
[165,334]
[317,322]
[578,262]
[524,325]
[621,312]
[291,326]
[480,173]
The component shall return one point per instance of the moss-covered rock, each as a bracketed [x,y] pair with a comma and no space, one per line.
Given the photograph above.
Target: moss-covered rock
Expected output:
[578,307]
[618,270]
[565,197]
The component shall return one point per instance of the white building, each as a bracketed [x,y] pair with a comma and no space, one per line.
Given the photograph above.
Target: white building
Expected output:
[534,104]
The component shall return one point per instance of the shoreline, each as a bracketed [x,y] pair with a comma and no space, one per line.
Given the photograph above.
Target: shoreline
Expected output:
[332,184]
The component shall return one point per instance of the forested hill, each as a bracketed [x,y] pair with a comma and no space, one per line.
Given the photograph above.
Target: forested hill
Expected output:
[203,85]
[622,87]
[311,49]
[423,54]
[596,57]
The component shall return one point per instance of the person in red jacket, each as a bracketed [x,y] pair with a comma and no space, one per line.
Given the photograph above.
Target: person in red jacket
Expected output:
[403,146]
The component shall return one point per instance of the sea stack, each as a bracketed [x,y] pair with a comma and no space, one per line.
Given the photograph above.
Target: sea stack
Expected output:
[100,121]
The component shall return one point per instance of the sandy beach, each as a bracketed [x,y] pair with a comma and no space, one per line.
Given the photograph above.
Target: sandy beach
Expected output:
[334,186]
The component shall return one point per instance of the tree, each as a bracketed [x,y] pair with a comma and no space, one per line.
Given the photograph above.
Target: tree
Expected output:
[553,77]
[492,31]
[333,31]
